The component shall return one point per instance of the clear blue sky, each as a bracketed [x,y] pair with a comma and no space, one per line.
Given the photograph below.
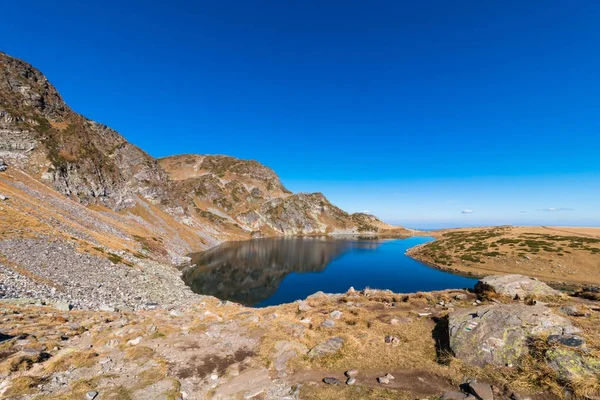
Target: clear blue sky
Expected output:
[414,110]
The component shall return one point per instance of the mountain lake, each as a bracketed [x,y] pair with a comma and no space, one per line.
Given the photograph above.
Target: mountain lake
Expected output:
[265,272]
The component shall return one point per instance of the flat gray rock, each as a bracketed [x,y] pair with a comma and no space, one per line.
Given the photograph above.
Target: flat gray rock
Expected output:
[571,364]
[498,334]
[304,306]
[515,286]
[481,391]
[285,351]
[328,323]
[330,346]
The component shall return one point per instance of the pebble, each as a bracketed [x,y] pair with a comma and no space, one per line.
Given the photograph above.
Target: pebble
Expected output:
[331,381]
[135,342]
[336,314]
[91,395]
[351,381]
[304,306]
[351,372]
[393,340]
[328,323]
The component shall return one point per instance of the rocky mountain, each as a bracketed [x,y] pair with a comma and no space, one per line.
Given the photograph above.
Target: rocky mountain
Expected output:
[189,202]
[248,195]
[82,159]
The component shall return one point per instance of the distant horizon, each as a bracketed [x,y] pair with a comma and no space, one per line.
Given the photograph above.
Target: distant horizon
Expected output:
[421,114]
[425,229]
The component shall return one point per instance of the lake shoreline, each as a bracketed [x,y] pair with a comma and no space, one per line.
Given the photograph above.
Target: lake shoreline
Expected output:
[269,271]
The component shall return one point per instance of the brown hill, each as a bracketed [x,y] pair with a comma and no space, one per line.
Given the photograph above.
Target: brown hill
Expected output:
[553,254]
[189,202]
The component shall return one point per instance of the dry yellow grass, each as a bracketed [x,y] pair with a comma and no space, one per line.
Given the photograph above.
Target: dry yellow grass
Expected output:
[23,385]
[70,358]
[553,254]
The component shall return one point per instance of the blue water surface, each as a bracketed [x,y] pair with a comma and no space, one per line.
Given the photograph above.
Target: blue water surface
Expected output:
[265,272]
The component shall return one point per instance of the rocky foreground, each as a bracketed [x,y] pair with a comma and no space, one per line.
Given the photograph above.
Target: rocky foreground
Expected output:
[93,307]
[453,344]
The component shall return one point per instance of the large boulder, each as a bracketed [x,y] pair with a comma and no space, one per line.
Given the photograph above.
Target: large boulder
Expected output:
[515,286]
[499,334]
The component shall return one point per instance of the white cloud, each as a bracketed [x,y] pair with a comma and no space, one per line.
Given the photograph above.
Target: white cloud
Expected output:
[366,212]
[467,211]
[556,209]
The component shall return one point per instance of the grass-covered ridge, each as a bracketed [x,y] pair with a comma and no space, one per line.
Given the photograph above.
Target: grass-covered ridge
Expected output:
[549,253]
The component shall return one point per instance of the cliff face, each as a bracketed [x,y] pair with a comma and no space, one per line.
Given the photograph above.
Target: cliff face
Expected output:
[82,159]
[190,201]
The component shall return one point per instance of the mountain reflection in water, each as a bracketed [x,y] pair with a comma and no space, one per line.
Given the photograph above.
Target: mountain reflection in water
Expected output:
[250,272]
[265,272]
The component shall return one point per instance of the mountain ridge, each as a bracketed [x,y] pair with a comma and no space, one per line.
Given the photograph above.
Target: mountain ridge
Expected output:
[190,201]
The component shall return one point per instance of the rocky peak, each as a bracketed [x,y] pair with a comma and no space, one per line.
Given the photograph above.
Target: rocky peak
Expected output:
[24,89]
[82,159]
[226,168]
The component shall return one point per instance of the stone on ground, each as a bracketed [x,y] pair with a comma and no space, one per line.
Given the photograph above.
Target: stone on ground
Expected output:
[499,334]
[304,306]
[454,396]
[285,351]
[330,346]
[515,286]
[570,364]
[91,395]
[481,391]
[250,382]
[328,323]
[351,372]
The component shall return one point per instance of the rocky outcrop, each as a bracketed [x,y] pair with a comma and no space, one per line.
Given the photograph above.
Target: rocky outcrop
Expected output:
[248,195]
[299,214]
[501,334]
[515,286]
[82,159]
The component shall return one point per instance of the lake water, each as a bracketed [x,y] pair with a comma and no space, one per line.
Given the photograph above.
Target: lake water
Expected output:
[265,272]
